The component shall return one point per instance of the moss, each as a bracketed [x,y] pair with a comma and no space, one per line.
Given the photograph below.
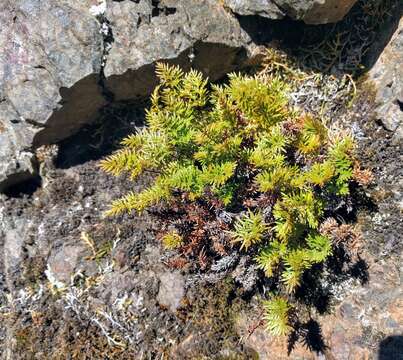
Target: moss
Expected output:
[211,314]
[50,335]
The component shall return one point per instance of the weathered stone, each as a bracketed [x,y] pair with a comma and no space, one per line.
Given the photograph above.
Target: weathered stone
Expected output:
[264,8]
[51,58]
[172,290]
[311,12]
[191,33]
[65,262]
[316,11]
[387,76]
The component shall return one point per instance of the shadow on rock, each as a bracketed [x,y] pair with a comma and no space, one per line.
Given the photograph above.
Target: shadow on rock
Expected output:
[341,48]
[309,334]
[102,137]
[391,348]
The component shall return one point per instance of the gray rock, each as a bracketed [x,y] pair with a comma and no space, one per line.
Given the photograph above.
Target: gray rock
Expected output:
[387,76]
[63,264]
[54,55]
[264,8]
[172,290]
[51,59]
[311,12]
[190,33]
[316,11]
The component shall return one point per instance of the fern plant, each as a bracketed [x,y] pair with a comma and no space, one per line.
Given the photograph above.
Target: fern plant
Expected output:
[219,147]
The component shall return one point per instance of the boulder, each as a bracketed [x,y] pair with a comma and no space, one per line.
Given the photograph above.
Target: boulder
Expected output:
[387,77]
[49,73]
[171,290]
[316,11]
[311,12]
[264,8]
[191,33]
[63,61]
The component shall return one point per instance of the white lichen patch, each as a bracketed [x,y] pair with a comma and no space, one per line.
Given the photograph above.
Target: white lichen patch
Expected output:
[100,9]
[54,282]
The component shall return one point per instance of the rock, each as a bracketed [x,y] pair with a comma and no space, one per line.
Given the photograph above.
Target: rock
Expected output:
[55,56]
[311,12]
[316,11]
[172,290]
[63,264]
[49,70]
[191,33]
[264,8]
[265,344]
[387,76]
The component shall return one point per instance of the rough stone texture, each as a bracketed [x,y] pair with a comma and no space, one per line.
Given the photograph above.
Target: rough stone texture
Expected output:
[193,33]
[172,290]
[316,11]
[387,76]
[311,12]
[51,58]
[264,8]
[51,77]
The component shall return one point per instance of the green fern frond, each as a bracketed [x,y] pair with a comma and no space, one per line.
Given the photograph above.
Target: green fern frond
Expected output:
[276,316]
[139,201]
[249,229]
[263,104]
[194,89]
[312,136]
[301,206]
[270,149]
[170,76]
[218,174]
[341,159]
[121,161]
[320,173]
[184,177]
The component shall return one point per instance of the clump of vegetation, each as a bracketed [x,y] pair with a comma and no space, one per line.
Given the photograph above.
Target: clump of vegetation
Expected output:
[235,166]
[172,240]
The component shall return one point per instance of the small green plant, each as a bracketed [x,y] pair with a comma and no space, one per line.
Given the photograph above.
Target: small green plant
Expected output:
[172,240]
[249,230]
[238,146]
[276,315]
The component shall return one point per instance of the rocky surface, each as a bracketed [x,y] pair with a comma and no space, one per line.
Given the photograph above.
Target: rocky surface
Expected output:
[316,11]
[49,69]
[73,282]
[64,61]
[387,76]
[199,34]
[264,8]
[310,12]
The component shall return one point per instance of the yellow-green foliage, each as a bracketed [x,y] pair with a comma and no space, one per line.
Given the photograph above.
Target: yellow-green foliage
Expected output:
[276,315]
[236,142]
[249,230]
[172,240]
